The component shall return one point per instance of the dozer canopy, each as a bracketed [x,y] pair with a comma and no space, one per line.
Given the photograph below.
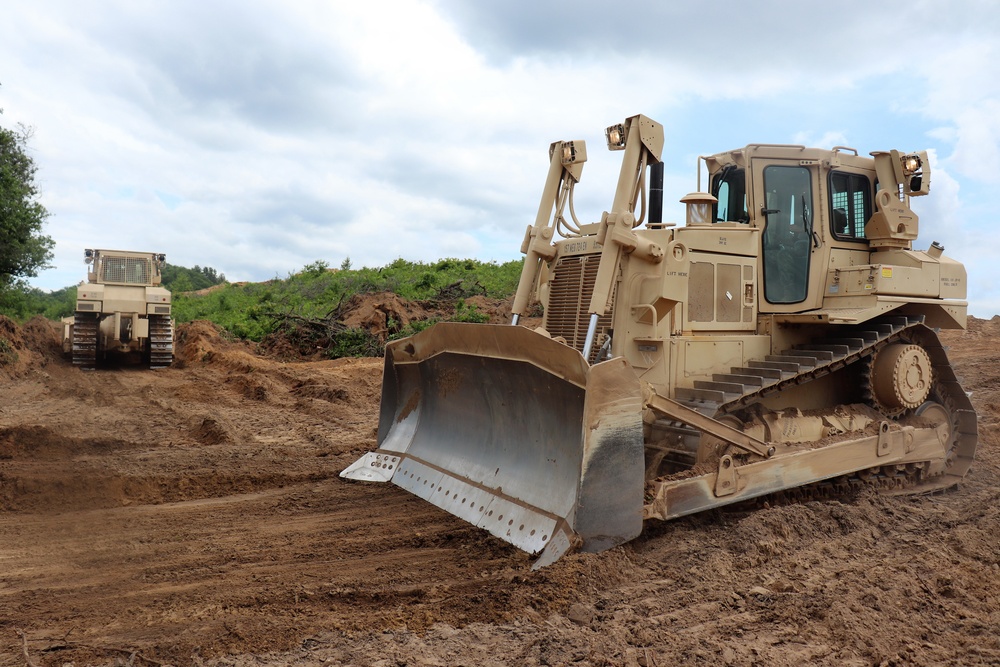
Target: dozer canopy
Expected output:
[514,432]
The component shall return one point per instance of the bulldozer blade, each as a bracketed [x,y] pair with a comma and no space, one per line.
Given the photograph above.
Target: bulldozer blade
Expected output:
[515,433]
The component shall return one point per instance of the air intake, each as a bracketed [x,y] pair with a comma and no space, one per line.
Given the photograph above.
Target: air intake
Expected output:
[570,290]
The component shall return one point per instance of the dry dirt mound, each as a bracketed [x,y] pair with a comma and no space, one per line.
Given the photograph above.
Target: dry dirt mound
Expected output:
[22,349]
[15,357]
[204,342]
[384,313]
[43,336]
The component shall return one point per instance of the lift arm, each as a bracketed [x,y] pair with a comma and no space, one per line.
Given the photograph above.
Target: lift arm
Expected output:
[642,140]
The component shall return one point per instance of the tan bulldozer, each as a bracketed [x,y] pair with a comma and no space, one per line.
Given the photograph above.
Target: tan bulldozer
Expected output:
[782,341]
[121,310]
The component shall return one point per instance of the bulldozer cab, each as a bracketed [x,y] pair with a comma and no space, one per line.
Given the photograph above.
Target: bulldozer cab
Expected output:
[118,267]
[813,207]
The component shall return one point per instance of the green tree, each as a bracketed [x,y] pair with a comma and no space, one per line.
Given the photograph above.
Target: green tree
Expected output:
[23,248]
[181,279]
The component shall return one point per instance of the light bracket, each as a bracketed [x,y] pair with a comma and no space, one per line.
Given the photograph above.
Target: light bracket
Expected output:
[616,137]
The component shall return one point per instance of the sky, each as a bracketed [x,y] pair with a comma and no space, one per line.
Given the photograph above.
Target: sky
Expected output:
[258,136]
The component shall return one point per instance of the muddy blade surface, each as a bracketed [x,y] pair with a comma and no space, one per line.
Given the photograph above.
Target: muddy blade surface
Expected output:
[517,434]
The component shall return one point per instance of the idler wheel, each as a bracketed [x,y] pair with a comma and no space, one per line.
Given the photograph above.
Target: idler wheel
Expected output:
[901,377]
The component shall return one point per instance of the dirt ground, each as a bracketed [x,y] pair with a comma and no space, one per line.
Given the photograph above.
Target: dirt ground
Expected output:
[194,516]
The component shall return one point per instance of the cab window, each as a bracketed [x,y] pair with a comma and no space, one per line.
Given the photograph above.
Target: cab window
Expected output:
[850,205]
[729,187]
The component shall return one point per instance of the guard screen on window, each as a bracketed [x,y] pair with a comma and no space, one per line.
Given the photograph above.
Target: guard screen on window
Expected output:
[850,204]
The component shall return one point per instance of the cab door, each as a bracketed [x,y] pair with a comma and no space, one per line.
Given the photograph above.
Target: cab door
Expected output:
[785,194]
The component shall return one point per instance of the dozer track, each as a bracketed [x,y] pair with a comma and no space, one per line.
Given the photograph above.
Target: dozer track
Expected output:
[85,332]
[161,341]
[726,395]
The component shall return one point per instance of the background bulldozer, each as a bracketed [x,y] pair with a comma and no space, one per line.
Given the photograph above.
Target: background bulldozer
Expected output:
[782,340]
[121,309]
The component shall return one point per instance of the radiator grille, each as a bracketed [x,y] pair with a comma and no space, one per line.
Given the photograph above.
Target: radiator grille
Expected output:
[130,270]
[570,289]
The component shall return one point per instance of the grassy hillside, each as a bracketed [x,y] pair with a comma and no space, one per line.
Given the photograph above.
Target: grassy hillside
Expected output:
[305,307]
[254,310]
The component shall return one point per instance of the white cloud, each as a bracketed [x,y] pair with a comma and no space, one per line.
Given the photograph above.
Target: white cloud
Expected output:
[827,139]
[977,145]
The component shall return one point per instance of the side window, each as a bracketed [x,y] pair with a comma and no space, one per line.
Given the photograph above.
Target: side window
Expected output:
[850,204]
[729,187]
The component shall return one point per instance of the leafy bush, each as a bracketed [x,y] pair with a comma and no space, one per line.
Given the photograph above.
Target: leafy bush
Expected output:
[355,343]
[469,313]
